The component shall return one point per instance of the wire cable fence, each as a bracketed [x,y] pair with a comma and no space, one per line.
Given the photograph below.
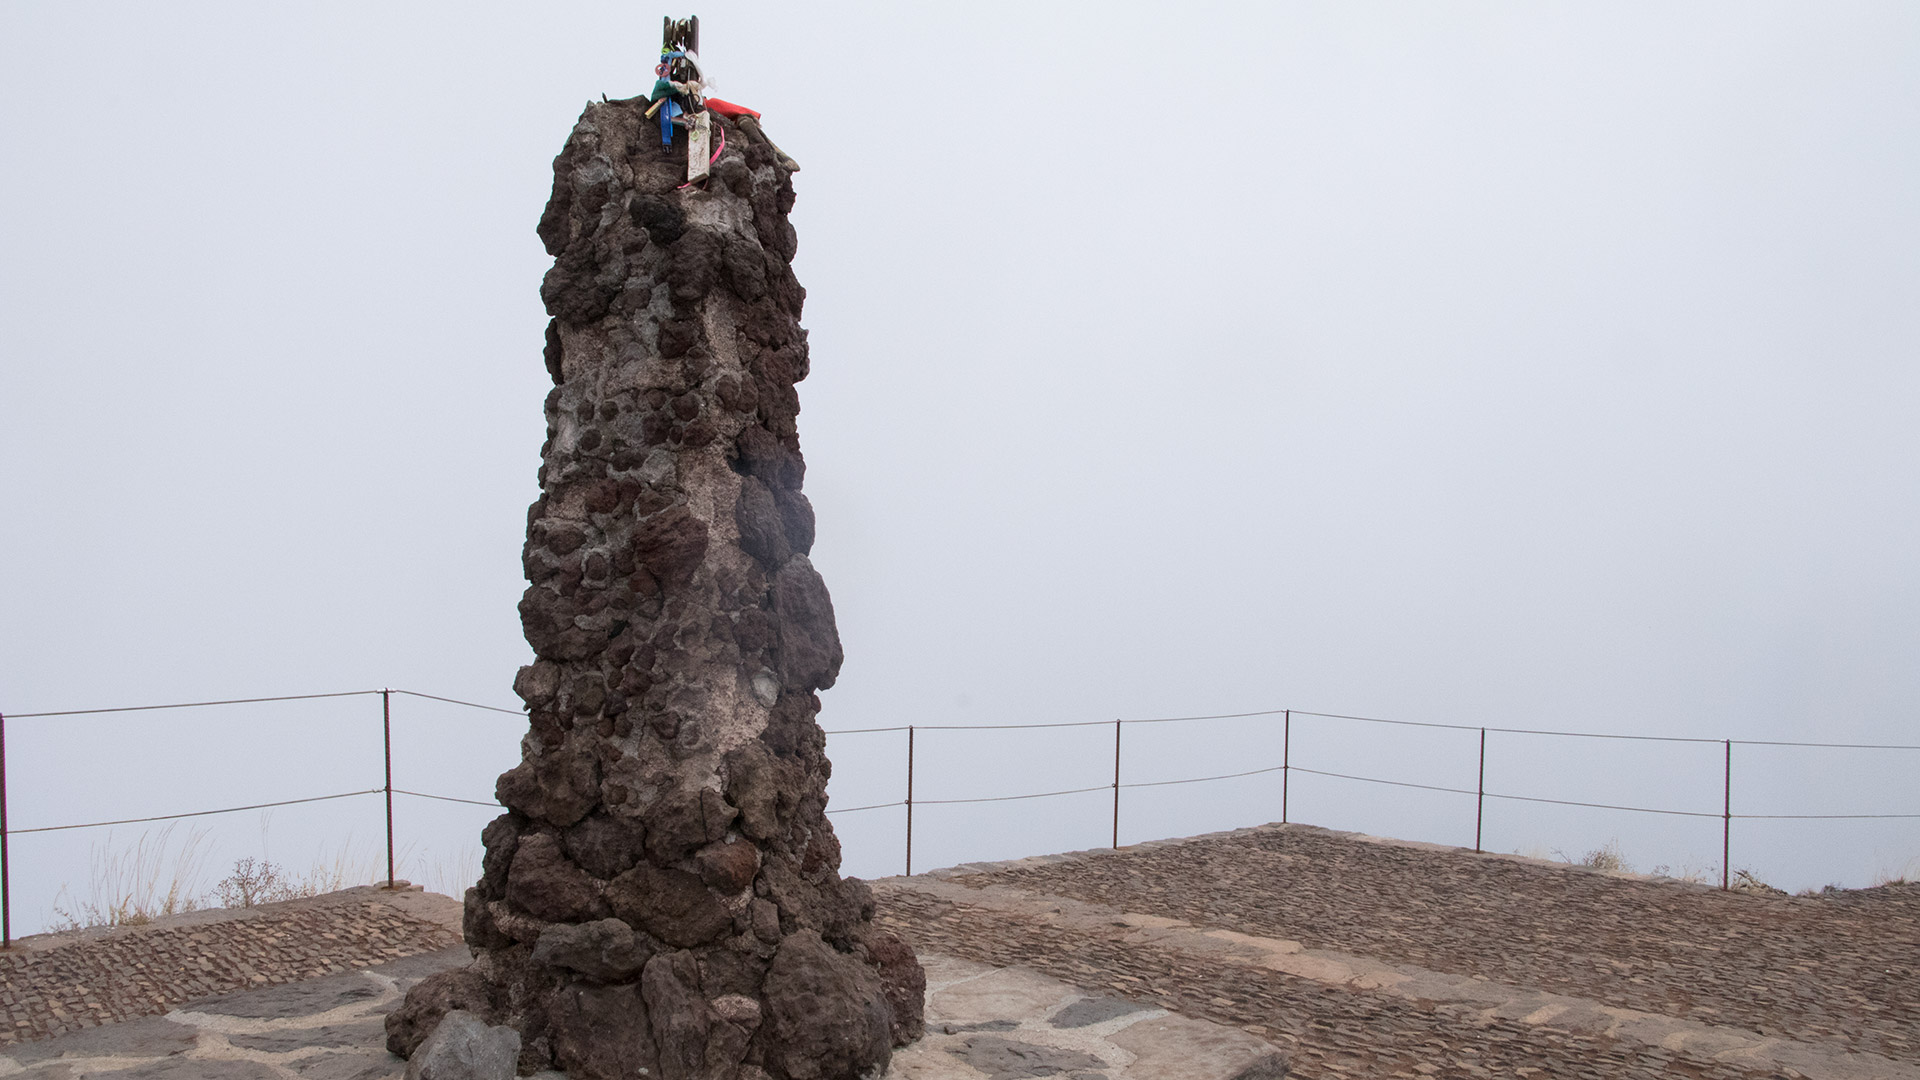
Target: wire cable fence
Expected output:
[387,790]
[1285,767]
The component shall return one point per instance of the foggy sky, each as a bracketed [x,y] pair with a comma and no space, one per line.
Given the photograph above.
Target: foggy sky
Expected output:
[1497,364]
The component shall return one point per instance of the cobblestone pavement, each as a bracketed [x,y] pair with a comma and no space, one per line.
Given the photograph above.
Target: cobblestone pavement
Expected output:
[1356,956]
[55,984]
[330,1028]
[983,1023]
[1372,957]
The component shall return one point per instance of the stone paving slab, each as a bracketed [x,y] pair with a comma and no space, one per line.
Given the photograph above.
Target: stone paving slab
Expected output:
[988,1023]
[329,1028]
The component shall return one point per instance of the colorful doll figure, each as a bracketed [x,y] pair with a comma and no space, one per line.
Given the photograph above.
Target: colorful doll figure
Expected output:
[677,79]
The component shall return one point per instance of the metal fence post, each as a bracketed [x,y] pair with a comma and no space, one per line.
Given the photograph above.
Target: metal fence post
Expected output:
[6,891]
[386,737]
[1726,820]
[1286,762]
[1116,785]
[1480,795]
[909,800]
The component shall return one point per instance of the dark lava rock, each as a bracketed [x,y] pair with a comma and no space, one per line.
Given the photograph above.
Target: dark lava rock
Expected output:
[827,1015]
[663,896]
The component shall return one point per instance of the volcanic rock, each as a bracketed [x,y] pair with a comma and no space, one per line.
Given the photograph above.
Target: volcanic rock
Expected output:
[663,896]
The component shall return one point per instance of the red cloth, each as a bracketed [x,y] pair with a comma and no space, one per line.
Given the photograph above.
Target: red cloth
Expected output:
[729,110]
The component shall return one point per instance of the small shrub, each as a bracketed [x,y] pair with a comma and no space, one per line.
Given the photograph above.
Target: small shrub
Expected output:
[254,881]
[262,881]
[1745,881]
[1606,857]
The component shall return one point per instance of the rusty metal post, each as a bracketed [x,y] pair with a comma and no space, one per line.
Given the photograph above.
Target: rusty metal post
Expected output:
[1480,797]
[386,733]
[1286,762]
[1116,785]
[909,800]
[6,890]
[1726,820]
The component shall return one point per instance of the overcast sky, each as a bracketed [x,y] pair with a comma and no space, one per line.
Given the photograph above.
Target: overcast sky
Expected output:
[1508,364]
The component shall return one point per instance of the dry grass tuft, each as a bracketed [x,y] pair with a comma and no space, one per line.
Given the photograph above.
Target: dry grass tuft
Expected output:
[1908,874]
[134,886]
[446,874]
[1606,857]
[1688,872]
[157,877]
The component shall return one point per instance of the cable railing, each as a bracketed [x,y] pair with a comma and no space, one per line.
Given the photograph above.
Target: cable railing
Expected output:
[222,810]
[386,789]
[1286,768]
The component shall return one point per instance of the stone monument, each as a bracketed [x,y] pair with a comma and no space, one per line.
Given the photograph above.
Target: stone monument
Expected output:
[662,897]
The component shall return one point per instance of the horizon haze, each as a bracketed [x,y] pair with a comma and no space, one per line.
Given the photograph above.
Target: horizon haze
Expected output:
[1506,365]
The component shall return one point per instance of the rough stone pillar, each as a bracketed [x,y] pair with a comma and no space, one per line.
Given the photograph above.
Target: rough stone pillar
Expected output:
[662,897]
